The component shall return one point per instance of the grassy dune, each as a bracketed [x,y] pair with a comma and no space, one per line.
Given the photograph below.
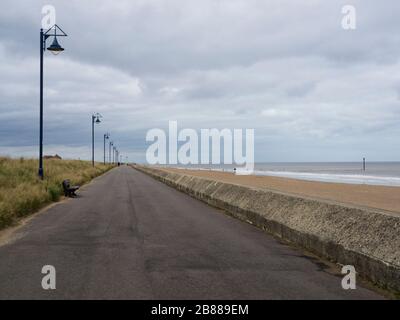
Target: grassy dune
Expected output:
[22,193]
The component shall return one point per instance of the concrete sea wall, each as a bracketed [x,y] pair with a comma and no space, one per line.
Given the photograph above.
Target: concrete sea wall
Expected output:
[367,239]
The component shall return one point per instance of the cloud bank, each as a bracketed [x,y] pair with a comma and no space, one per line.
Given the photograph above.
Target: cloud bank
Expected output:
[311,90]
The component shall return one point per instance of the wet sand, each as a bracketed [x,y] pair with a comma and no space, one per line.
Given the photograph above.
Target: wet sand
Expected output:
[377,197]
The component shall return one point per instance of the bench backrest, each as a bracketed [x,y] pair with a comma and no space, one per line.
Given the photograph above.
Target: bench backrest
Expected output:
[66,184]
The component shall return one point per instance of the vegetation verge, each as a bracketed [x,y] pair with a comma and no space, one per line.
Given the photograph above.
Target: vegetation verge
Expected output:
[22,192]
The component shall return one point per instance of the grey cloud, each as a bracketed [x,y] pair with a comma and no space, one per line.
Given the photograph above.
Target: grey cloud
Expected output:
[285,68]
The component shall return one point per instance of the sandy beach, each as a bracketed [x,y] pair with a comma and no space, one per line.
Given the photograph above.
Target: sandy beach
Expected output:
[377,197]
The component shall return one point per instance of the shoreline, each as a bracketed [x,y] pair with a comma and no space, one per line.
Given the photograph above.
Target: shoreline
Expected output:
[361,177]
[386,198]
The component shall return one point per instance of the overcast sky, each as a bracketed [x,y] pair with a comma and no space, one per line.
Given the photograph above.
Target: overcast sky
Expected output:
[311,90]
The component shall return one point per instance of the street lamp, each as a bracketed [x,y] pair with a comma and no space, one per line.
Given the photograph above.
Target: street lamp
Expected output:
[95,119]
[106,136]
[55,48]
[109,151]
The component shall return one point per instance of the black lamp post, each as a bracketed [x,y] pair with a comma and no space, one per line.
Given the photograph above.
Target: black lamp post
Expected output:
[95,119]
[55,48]
[109,151]
[106,136]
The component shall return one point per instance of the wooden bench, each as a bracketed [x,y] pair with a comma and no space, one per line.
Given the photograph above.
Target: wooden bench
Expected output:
[69,191]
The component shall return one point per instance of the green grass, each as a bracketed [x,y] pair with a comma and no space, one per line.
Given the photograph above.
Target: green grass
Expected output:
[22,193]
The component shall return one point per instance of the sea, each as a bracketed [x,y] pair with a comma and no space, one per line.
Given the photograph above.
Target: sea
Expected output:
[376,173]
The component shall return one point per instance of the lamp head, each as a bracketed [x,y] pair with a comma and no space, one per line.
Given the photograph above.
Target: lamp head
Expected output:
[96,118]
[55,47]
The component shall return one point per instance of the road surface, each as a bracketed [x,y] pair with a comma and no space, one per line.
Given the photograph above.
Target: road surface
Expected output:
[128,236]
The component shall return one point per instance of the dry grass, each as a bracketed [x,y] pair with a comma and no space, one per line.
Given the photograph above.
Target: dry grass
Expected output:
[22,193]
